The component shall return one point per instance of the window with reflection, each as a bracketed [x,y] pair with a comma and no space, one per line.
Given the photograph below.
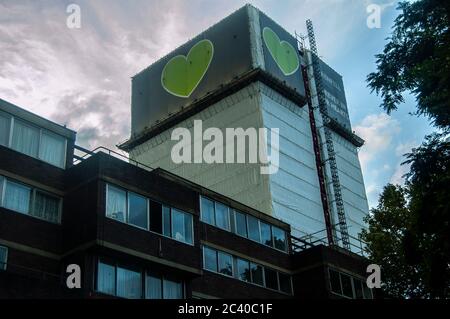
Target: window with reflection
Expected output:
[172,289]
[32,140]
[243,270]
[116,203]
[137,210]
[279,238]
[17,197]
[253,229]
[257,274]
[244,225]
[5,124]
[209,259]
[52,149]
[25,138]
[222,216]
[181,226]
[128,283]
[153,287]
[225,264]
[207,210]
[30,201]
[106,278]
[241,224]
[266,234]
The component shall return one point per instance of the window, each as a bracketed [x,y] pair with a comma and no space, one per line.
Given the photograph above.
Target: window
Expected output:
[52,149]
[30,201]
[3,257]
[128,283]
[106,278]
[279,238]
[46,207]
[181,226]
[5,123]
[257,274]
[209,259]
[133,209]
[266,234]
[156,218]
[285,283]
[367,292]
[116,203]
[241,224]
[358,285]
[137,210]
[243,270]
[253,228]
[25,138]
[207,211]
[32,140]
[271,278]
[222,216]
[172,289]
[346,285]
[163,288]
[153,287]
[2,182]
[225,264]
[335,282]
[167,229]
[231,266]
[17,197]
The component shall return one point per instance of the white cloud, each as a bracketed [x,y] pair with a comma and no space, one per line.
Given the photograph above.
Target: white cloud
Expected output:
[397,177]
[401,170]
[377,130]
[403,148]
[81,77]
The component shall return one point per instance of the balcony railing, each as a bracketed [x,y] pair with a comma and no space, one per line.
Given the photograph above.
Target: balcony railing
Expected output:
[357,245]
[82,154]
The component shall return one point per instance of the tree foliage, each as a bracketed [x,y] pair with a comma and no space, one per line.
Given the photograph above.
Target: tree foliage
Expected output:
[417,59]
[408,232]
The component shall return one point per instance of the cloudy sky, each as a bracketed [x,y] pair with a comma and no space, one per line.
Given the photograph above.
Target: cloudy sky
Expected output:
[81,77]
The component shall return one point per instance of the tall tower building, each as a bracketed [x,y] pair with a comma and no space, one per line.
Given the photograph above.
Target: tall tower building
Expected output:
[248,72]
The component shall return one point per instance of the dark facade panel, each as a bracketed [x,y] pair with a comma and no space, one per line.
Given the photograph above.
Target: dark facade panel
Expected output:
[29,168]
[193,70]
[30,231]
[219,286]
[281,57]
[333,87]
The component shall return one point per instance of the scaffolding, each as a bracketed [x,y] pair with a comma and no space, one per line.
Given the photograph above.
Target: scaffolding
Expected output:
[328,138]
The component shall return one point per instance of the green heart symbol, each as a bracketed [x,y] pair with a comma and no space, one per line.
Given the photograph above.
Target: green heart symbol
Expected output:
[282,52]
[182,74]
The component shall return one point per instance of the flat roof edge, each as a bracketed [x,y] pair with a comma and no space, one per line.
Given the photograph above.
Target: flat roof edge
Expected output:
[251,76]
[33,118]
